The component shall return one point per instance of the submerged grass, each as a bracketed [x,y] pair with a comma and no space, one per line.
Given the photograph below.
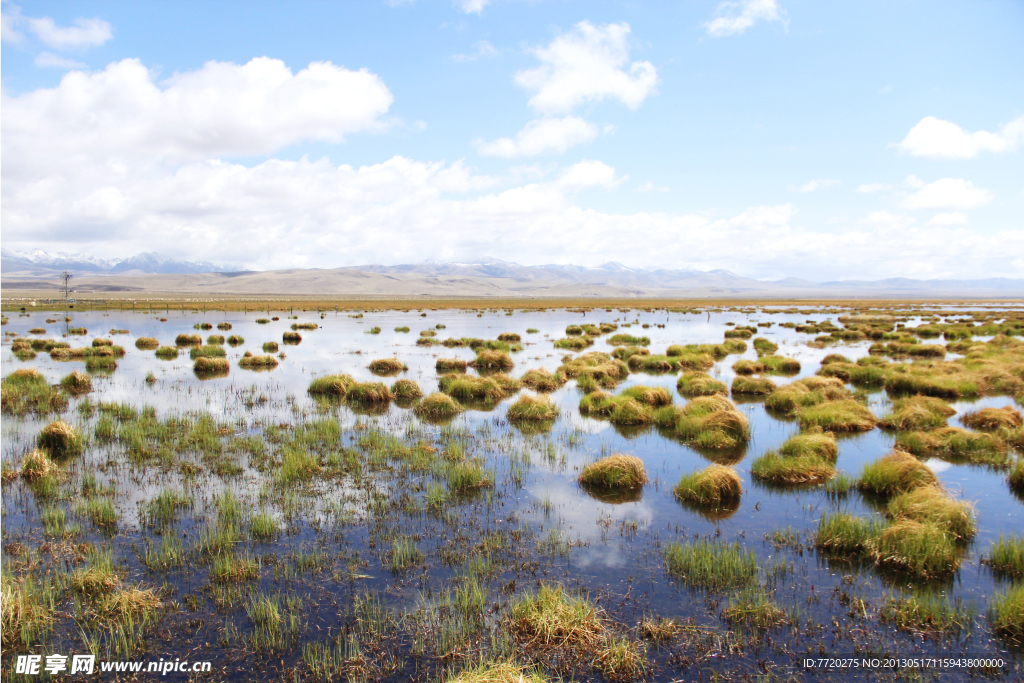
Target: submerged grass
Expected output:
[712,565]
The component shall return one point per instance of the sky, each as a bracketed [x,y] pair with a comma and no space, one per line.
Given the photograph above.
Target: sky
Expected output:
[773,138]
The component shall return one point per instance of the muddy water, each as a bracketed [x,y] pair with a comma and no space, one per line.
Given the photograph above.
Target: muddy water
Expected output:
[615,549]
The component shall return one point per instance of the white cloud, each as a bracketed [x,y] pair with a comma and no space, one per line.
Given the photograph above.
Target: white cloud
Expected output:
[813,185]
[8,21]
[483,49]
[948,193]
[588,64]
[938,139]
[48,59]
[85,32]
[219,109]
[472,6]
[951,218]
[649,186]
[914,181]
[736,17]
[868,188]
[541,136]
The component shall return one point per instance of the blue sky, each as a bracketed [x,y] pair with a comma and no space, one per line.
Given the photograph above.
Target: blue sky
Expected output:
[775,138]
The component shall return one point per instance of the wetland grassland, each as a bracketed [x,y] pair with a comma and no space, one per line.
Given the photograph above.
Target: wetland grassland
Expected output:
[471,491]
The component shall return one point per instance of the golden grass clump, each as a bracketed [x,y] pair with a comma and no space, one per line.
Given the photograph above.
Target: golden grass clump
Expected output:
[931,504]
[211,365]
[991,419]
[37,465]
[956,444]
[649,396]
[496,672]
[387,366]
[748,367]
[251,362]
[335,386]
[438,406]
[697,383]
[814,442]
[490,389]
[752,386]
[369,393]
[713,487]
[445,365]
[917,413]
[509,337]
[791,398]
[895,473]
[598,368]
[146,343]
[406,390]
[60,439]
[215,339]
[918,548]
[167,352]
[711,422]
[614,472]
[803,459]
[621,409]
[487,359]
[188,340]
[532,409]
[845,415]
[543,381]
[77,383]
[291,337]
[552,618]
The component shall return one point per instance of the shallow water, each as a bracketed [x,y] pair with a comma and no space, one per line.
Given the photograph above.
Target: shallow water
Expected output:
[616,549]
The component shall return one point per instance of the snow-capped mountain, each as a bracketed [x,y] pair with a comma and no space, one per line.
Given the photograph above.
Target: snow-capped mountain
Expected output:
[147,262]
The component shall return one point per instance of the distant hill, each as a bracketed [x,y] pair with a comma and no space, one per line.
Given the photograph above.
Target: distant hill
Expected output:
[486,276]
[148,262]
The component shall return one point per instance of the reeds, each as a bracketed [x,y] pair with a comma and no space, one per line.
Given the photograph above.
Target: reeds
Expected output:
[614,472]
[715,486]
[711,565]
[532,409]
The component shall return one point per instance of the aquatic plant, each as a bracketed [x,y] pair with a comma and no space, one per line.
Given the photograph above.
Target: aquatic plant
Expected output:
[747,386]
[532,408]
[406,389]
[331,385]
[991,419]
[845,415]
[708,564]
[917,413]
[438,406]
[696,383]
[553,618]
[614,472]
[714,486]
[895,473]
[251,362]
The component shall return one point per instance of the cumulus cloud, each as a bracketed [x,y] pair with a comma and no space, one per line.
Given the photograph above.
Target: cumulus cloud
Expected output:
[939,139]
[812,185]
[471,6]
[85,32]
[587,64]
[540,137]
[734,18]
[483,49]
[948,193]
[48,59]
[221,109]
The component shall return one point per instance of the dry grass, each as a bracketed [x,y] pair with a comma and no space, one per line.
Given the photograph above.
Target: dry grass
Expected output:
[60,439]
[532,409]
[387,366]
[599,368]
[920,549]
[748,367]
[896,473]
[188,340]
[614,472]
[931,504]
[991,419]
[552,618]
[369,393]
[146,343]
[438,406]
[714,486]
[487,359]
[496,672]
[446,365]
[335,386]
[916,413]
[959,445]
[211,365]
[750,386]
[251,362]
[167,352]
[77,383]
[37,465]
[711,422]
[541,380]
[406,390]
[792,398]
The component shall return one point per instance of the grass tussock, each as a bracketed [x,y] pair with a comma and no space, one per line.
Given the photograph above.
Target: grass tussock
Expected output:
[291,338]
[210,366]
[712,565]
[496,672]
[487,359]
[779,365]
[26,391]
[895,473]
[215,339]
[595,369]
[917,413]
[713,487]
[38,465]
[334,386]
[841,534]
[188,340]
[553,618]
[446,365]
[697,383]
[532,409]
[1006,612]
[845,415]
[753,608]
[621,409]
[959,445]
[921,549]
[798,465]
[207,351]
[790,399]
[752,386]
[543,381]
[931,505]
[60,440]
[251,362]
[77,383]
[387,366]
[1006,556]
[369,393]
[1016,477]
[487,390]
[438,406]
[614,472]
[748,367]
[710,422]
[270,347]
[146,343]
[406,390]
[167,352]
[926,614]
[991,419]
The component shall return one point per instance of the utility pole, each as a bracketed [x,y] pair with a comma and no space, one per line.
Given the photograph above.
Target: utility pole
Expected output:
[66,277]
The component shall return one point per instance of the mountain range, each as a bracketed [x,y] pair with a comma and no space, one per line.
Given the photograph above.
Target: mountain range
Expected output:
[486,276]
